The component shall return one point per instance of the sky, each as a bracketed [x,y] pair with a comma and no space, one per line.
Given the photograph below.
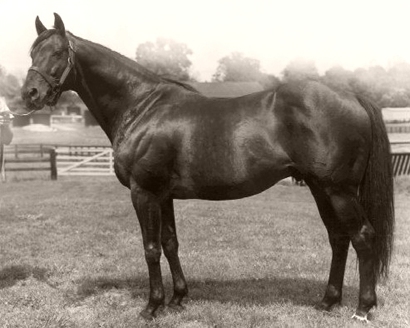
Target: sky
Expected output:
[349,33]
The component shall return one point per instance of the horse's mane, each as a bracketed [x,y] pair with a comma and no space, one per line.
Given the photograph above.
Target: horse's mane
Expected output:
[133,64]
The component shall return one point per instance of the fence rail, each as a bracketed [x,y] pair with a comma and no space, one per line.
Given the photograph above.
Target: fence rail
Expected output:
[63,119]
[401,157]
[401,164]
[398,128]
[19,158]
[89,160]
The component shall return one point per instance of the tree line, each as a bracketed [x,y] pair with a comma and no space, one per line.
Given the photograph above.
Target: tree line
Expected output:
[387,87]
[170,59]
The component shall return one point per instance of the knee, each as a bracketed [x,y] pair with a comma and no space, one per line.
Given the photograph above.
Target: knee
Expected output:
[152,253]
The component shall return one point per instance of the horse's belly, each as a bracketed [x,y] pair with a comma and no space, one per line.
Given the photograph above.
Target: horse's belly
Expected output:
[217,183]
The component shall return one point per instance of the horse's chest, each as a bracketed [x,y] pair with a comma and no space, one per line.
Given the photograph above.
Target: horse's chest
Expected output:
[148,165]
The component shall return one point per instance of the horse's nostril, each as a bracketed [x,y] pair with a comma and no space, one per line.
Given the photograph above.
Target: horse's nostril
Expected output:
[33,93]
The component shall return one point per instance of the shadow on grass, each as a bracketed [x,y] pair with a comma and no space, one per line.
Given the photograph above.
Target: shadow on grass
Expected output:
[91,286]
[10,275]
[298,291]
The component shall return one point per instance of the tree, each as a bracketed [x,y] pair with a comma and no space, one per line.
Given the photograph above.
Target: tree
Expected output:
[400,75]
[238,68]
[10,88]
[166,58]
[69,98]
[337,78]
[300,69]
[398,94]
[269,81]
[396,97]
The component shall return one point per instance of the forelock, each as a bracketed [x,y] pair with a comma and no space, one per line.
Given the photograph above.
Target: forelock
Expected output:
[43,36]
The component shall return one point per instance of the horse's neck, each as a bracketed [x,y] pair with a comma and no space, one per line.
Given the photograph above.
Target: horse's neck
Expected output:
[109,83]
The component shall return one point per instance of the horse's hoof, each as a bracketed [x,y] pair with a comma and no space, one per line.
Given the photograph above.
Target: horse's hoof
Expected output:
[361,318]
[326,306]
[151,312]
[146,315]
[175,307]
[323,307]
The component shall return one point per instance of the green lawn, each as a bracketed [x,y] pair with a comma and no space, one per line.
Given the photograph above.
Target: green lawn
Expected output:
[71,256]
[73,134]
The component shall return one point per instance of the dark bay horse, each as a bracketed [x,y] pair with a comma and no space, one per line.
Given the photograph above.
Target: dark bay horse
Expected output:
[171,142]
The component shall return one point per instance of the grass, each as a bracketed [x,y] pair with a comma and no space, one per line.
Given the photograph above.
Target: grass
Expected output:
[69,134]
[71,256]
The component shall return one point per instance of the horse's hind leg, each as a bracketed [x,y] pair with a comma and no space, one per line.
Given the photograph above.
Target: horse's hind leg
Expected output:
[339,242]
[351,214]
[350,217]
[170,246]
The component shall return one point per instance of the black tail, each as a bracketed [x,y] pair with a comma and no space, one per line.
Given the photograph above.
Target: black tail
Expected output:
[376,190]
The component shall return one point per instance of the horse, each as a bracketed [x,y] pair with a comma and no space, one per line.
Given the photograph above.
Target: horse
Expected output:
[171,142]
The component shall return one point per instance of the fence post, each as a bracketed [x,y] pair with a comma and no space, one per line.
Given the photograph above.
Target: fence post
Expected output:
[111,159]
[2,163]
[53,164]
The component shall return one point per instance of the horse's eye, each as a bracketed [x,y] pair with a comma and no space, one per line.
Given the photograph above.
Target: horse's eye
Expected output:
[58,53]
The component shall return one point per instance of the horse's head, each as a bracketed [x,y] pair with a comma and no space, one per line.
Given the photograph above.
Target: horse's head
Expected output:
[52,66]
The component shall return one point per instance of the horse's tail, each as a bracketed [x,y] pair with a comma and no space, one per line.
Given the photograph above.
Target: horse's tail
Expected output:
[376,190]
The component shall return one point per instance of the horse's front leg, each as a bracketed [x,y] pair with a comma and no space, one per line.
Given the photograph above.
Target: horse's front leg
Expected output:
[148,208]
[170,247]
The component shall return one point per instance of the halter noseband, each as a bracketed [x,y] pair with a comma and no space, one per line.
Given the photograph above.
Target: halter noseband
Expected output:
[54,83]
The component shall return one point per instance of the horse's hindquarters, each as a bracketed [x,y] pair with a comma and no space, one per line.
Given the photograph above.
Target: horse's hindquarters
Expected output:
[327,135]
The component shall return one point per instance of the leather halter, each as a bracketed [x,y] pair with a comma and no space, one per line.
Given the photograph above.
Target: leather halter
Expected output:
[54,83]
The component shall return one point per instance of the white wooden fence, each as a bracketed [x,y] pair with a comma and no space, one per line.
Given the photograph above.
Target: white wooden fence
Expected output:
[85,160]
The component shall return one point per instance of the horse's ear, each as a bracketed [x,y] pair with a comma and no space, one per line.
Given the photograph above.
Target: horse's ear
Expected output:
[40,26]
[58,24]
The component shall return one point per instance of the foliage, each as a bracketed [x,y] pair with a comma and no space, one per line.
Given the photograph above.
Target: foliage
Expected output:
[300,69]
[165,57]
[10,88]
[338,78]
[69,98]
[269,81]
[388,88]
[237,68]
